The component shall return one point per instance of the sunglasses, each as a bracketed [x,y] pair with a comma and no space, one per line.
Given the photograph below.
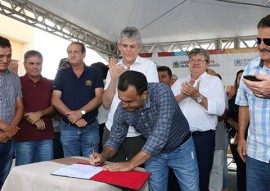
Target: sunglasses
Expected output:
[266,41]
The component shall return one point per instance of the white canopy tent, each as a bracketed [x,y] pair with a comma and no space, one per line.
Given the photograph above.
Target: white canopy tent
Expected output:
[163,21]
[164,24]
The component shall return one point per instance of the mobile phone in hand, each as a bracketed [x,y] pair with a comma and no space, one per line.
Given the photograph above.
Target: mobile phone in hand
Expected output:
[251,78]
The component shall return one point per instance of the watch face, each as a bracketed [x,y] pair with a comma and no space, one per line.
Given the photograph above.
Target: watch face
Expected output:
[199,99]
[83,112]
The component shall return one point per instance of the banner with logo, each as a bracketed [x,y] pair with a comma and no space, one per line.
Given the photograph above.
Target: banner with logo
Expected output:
[226,63]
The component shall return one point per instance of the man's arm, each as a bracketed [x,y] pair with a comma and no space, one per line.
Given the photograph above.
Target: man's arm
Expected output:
[33,117]
[109,94]
[58,103]
[136,161]
[233,123]
[115,70]
[9,130]
[243,124]
[19,112]
[260,89]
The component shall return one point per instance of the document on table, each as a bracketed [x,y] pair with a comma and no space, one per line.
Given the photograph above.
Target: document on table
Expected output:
[78,171]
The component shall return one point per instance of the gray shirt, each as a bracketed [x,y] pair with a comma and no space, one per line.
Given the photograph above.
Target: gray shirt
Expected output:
[10,89]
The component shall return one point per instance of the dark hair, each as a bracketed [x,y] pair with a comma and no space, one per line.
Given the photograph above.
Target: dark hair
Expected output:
[83,50]
[133,78]
[63,63]
[235,81]
[219,76]
[4,42]
[163,69]
[264,22]
[196,51]
[31,53]
[104,68]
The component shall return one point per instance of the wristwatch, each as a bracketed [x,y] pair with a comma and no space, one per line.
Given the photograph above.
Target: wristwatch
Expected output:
[199,99]
[83,112]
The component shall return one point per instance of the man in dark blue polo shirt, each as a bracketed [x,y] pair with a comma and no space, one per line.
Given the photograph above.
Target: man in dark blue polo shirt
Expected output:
[77,94]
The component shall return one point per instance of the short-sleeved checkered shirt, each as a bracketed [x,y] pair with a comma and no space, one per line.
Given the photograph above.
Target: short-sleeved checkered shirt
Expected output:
[10,89]
[258,141]
[161,122]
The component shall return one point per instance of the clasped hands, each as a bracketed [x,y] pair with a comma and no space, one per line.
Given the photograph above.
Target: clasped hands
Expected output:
[35,119]
[75,117]
[116,69]
[7,131]
[188,90]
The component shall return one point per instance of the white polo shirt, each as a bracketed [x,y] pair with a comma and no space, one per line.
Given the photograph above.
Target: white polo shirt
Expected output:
[143,65]
[198,117]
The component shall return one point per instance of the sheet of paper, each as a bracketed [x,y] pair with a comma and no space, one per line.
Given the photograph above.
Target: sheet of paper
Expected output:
[78,171]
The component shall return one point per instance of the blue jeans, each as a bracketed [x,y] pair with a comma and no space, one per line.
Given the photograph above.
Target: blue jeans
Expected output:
[258,175]
[33,151]
[6,153]
[182,160]
[78,141]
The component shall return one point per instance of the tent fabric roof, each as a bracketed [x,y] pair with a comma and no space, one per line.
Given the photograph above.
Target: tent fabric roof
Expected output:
[162,21]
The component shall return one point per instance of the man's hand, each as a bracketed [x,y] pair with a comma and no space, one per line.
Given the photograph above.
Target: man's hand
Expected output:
[33,117]
[260,89]
[115,69]
[241,149]
[119,166]
[96,160]
[81,123]
[189,90]
[74,116]
[7,131]
[40,124]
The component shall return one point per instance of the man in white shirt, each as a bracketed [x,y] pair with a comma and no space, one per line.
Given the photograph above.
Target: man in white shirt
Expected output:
[129,43]
[201,98]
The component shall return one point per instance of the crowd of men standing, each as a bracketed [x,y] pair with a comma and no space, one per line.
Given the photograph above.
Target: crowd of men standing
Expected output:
[160,126]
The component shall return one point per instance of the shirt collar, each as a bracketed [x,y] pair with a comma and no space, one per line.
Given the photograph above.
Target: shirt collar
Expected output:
[261,64]
[200,77]
[137,61]
[26,77]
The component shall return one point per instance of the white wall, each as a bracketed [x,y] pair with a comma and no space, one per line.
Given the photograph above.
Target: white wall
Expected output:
[53,48]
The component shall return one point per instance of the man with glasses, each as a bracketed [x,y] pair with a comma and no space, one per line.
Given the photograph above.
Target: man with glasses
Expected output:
[201,97]
[253,99]
[129,43]
[11,108]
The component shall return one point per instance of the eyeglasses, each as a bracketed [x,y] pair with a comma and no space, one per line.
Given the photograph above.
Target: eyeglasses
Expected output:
[198,60]
[266,41]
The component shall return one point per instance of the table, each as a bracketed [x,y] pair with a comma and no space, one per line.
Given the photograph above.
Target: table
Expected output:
[37,177]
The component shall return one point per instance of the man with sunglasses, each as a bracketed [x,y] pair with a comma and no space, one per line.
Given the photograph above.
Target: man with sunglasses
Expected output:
[253,99]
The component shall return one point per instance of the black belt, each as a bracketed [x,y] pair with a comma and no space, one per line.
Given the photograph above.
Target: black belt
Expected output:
[199,133]
[185,139]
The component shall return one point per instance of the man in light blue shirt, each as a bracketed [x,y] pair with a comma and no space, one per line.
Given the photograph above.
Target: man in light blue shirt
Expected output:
[254,108]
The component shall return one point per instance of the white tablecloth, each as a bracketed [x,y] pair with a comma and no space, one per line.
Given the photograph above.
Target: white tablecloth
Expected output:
[37,177]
